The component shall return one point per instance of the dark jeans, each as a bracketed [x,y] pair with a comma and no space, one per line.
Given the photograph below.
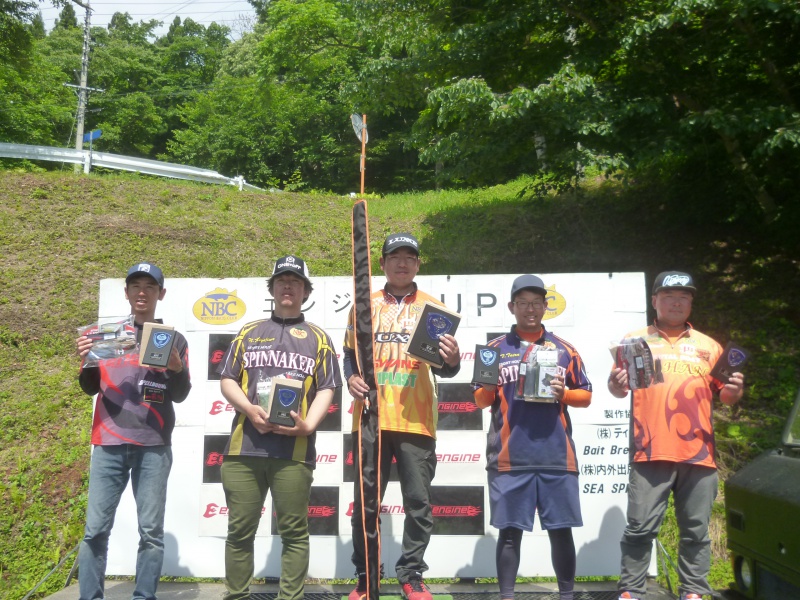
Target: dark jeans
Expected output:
[416,467]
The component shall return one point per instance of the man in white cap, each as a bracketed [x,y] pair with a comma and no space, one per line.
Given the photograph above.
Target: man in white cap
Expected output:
[672,441]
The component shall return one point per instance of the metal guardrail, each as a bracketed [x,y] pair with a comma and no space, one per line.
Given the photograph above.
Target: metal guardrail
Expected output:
[89,158]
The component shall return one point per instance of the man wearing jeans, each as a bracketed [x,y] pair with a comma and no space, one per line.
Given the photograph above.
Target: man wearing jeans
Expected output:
[262,456]
[131,433]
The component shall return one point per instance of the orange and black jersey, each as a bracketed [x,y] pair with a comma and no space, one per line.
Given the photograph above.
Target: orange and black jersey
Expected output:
[672,420]
[526,436]
[407,389]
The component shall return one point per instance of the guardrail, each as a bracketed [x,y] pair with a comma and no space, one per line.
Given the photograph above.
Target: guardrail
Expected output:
[89,158]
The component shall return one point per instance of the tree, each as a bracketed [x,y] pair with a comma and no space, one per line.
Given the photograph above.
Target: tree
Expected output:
[67,19]
[686,88]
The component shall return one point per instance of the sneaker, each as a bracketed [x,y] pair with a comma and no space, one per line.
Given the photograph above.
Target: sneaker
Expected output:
[627,596]
[415,589]
[361,588]
[693,597]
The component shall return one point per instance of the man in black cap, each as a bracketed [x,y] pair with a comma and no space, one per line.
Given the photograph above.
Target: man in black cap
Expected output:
[131,433]
[407,410]
[262,456]
[531,461]
[672,441]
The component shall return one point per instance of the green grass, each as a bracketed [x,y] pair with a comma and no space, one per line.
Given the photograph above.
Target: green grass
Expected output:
[62,233]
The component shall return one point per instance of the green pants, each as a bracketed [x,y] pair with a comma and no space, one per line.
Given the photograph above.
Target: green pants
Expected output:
[246,481]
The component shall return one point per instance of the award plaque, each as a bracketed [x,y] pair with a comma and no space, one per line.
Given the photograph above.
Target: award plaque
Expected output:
[732,360]
[434,321]
[156,345]
[487,365]
[285,397]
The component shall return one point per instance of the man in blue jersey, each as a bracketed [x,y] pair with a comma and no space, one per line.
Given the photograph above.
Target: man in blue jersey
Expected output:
[261,456]
[530,455]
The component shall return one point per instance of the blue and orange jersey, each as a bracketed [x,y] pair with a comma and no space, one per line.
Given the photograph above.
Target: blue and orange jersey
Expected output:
[672,420]
[526,436]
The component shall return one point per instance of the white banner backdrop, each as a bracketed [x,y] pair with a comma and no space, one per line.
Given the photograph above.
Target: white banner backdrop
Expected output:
[587,309]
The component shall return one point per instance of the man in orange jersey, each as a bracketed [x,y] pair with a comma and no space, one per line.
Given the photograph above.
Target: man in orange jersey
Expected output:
[530,453]
[672,441]
[407,410]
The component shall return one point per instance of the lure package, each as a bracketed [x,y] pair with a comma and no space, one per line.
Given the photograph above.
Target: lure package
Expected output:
[111,338]
[537,369]
[635,356]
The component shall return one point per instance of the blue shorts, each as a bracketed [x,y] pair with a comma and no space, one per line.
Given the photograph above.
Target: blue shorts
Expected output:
[515,497]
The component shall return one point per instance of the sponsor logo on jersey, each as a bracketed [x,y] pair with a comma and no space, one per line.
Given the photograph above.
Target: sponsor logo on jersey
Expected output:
[300,334]
[391,337]
[556,303]
[219,307]
[397,379]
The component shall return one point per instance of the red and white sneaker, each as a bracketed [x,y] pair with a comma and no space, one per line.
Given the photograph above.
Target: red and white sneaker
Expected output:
[415,589]
[692,597]
[625,596]
[361,588]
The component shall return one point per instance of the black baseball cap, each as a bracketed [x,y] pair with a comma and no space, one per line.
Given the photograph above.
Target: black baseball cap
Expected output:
[400,240]
[674,280]
[290,264]
[145,269]
[528,282]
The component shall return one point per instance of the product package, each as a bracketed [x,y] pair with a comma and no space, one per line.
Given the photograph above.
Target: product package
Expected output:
[112,337]
[537,369]
[635,356]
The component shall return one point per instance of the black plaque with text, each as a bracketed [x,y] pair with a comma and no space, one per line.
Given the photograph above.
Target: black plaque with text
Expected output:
[156,345]
[732,360]
[285,397]
[487,365]
[434,321]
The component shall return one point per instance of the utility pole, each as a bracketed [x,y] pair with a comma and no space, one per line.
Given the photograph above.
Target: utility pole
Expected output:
[83,93]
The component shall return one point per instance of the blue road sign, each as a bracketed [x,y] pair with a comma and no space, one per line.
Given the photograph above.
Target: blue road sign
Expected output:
[92,135]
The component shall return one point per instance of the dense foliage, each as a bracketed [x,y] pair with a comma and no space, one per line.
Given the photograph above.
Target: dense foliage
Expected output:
[701,94]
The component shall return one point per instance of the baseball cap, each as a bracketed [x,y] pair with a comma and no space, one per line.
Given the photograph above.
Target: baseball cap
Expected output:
[528,282]
[148,269]
[400,240]
[675,280]
[290,264]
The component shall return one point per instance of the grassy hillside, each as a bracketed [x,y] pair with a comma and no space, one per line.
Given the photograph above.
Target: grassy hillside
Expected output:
[62,233]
